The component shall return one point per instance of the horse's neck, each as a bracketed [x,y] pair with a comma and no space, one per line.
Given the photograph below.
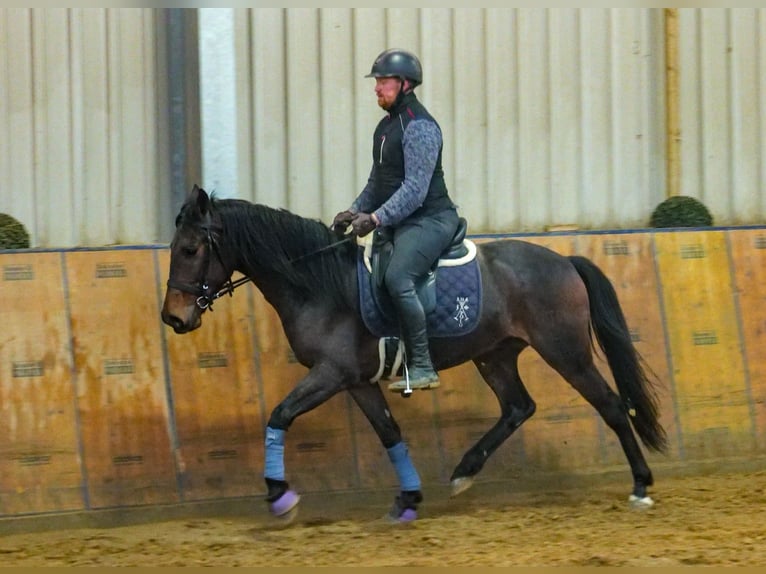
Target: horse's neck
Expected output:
[275,288]
[290,307]
[288,300]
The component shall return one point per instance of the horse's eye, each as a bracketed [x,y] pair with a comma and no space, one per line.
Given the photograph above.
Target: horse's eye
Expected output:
[189,251]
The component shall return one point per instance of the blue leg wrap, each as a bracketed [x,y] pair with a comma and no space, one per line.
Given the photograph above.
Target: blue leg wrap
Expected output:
[274,464]
[408,476]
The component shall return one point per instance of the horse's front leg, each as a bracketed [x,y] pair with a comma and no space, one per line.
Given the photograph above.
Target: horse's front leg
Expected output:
[321,383]
[374,406]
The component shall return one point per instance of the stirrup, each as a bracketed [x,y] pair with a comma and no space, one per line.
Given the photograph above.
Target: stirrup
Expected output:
[406,386]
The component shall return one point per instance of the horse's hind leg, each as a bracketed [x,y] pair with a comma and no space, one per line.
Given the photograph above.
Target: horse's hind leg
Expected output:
[501,372]
[373,404]
[583,375]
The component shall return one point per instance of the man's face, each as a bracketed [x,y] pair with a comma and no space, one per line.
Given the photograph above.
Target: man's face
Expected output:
[387,89]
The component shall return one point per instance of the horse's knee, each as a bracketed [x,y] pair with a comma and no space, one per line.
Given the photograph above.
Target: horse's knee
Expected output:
[522,415]
[280,418]
[515,416]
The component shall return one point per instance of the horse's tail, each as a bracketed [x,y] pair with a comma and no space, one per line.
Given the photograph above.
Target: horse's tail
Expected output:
[627,364]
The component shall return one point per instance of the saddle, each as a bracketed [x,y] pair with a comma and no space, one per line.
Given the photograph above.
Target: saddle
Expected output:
[382,248]
[450,293]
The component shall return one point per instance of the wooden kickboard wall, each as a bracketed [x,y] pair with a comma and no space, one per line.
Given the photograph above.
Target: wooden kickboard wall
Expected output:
[103,406]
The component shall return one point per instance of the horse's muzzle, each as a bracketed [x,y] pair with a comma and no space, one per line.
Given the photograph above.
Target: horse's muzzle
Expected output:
[179,325]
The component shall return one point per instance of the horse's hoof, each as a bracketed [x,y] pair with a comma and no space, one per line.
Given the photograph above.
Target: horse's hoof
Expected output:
[461,485]
[401,512]
[287,518]
[285,505]
[640,503]
[401,516]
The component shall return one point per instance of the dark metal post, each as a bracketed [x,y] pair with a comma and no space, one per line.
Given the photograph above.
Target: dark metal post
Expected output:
[182,58]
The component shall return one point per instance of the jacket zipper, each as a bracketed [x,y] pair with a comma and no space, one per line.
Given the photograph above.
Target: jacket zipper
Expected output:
[382,141]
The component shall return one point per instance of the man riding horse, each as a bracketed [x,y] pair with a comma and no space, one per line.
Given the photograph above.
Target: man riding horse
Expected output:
[406,193]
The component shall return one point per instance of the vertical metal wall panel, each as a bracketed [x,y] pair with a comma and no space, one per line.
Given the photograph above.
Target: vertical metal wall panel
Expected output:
[402,28]
[368,37]
[654,108]
[626,118]
[534,119]
[53,104]
[338,141]
[566,117]
[269,110]
[134,182]
[244,96]
[635,114]
[469,162]
[79,150]
[89,43]
[439,75]
[690,104]
[597,176]
[218,114]
[715,86]
[304,117]
[760,88]
[17,194]
[747,115]
[722,59]
[502,194]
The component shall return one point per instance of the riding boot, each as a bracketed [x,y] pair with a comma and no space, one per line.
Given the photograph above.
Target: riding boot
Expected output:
[412,320]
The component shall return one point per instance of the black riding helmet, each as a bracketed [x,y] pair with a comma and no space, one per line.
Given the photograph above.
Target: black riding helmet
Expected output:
[397,63]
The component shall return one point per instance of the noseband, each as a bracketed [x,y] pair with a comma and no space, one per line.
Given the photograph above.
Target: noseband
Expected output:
[202,289]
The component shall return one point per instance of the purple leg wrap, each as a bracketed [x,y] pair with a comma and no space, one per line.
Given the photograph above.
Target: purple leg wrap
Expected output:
[399,513]
[408,515]
[285,503]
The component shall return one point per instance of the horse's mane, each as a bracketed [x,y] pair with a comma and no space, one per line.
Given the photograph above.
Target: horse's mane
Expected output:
[287,244]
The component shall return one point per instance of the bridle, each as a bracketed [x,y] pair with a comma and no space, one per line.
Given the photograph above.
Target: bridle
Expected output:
[202,289]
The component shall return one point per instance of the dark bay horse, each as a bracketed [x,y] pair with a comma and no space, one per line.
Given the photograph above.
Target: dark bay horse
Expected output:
[532,297]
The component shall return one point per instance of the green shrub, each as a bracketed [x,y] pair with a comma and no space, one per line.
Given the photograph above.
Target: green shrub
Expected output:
[13,234]
[681,211]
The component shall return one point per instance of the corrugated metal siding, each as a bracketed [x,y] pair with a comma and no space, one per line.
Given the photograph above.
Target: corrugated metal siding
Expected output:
[550,116]
[79,159]
[722,56]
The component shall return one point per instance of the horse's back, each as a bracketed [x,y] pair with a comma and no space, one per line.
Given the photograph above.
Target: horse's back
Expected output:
[522,257]
[520,275]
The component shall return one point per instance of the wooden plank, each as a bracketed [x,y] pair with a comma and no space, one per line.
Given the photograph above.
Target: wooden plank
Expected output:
[704,342]
[120,377]
[39,458]
[748,253]
[627,259]
[216,399]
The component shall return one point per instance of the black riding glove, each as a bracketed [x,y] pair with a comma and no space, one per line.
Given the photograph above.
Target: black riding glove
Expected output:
[363,224]
[341,222]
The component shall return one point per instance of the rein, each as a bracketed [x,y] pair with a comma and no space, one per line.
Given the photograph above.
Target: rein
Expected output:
[321,249]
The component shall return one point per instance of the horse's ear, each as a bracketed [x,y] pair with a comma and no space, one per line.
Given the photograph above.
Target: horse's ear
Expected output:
[199,199]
